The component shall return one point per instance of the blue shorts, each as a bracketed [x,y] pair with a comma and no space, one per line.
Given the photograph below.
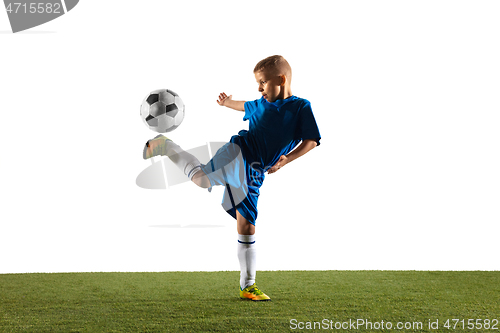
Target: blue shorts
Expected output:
[242,179]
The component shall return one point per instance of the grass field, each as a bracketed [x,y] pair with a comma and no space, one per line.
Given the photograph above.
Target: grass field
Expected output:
[208,301]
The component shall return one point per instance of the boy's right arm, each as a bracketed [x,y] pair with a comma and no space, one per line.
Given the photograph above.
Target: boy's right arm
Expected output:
[225,100]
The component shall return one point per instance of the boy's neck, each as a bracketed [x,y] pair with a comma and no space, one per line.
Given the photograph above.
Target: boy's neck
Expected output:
[287,93]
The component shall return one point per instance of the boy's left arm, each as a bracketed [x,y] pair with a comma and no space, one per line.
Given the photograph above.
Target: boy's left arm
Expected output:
[303,148]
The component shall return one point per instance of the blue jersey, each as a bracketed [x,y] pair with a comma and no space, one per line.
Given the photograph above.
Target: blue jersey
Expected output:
[276,128]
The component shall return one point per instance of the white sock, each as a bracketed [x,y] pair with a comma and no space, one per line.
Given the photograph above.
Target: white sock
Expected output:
[188,163]
[248,258]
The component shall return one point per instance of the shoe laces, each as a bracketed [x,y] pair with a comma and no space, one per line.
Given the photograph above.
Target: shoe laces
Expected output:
[255,291]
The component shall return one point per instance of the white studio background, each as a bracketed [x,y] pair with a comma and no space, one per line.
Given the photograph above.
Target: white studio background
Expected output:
[406,96]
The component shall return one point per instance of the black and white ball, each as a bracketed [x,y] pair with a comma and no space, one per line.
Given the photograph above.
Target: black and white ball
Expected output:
[162,110]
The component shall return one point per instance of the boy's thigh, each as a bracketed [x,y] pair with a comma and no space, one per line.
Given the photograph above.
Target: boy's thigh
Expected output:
[226,167]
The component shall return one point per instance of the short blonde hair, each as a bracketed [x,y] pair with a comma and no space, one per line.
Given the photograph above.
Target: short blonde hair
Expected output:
[276,65]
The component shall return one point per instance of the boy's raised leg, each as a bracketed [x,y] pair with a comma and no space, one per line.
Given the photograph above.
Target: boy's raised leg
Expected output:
[188,163]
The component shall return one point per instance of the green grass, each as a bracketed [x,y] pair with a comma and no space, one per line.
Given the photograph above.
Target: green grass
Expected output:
[208,301]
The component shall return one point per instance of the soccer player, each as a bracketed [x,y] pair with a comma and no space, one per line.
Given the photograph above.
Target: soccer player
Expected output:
[278,123]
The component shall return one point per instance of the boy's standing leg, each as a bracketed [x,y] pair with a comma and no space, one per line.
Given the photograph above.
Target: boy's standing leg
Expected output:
[248,260]
[246,251]
[190,165]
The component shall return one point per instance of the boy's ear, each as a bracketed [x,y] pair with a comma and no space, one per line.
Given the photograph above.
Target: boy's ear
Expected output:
[283,80]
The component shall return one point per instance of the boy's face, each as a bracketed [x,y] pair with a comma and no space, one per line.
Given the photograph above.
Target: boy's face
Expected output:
[270,86]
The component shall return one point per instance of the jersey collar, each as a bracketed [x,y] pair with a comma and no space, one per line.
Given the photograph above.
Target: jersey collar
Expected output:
[280,102]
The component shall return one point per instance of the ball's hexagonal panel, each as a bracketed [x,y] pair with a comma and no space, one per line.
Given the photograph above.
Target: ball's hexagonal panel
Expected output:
[179,118]
[179,103]
[169,122]
[162,124]
[157,109]
[167,97]
[144,109]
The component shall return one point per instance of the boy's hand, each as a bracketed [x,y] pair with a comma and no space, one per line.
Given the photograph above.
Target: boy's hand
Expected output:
[281,163]
[224,99]
[301,149]
[227,101]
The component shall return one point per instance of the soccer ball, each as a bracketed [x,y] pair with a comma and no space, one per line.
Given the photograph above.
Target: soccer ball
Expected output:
[162,110]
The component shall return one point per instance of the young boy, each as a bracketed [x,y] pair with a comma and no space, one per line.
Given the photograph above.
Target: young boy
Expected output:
[278,122]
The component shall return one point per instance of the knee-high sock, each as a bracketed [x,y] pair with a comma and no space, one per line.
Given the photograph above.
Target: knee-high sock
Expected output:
[248,258]
[188,163]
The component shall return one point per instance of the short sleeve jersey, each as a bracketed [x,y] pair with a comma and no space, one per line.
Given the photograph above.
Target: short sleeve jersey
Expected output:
[276,128]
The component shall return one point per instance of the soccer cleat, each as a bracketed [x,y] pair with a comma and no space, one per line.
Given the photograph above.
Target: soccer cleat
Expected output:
[155,147]
[253,293]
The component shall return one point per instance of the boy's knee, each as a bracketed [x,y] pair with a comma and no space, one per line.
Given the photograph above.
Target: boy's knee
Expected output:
[244,226]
